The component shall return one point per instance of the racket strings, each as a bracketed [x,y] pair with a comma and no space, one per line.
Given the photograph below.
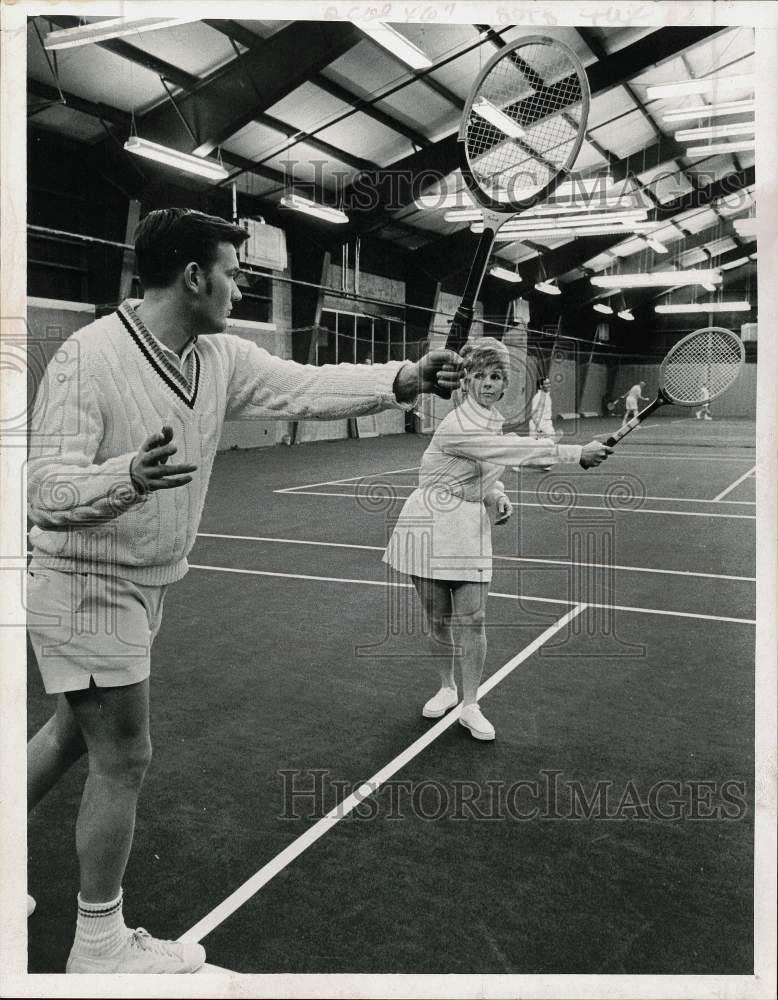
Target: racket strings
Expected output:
[708,361]
[524,121]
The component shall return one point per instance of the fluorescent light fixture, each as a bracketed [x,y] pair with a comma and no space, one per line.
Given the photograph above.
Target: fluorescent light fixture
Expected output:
[708,85]
[710,111]
[703,307]
[655,245]
[557,211]
[741,146]
[446,199]
[625,314]
[492,114]
[715,132]
[463,215]
[573,222]
[505,274]
[730,265]
[655,279]
[187,162]
[708,286]
[390,39]
[548,288]
[299,204]
[601,307]
[554,232]
[752,256]
[114,27]
[745,227]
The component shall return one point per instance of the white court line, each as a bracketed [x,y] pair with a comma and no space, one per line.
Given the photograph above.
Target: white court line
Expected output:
[542,493]
[268,871]
[730,459]
[302,492]
[521,559]
[340,482]
[732,486]
[509,597]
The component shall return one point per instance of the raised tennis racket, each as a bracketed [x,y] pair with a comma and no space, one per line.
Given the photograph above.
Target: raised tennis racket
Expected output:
[521,132]
[710,359]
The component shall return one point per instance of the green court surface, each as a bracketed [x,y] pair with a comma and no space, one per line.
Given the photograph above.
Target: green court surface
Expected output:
[608,828]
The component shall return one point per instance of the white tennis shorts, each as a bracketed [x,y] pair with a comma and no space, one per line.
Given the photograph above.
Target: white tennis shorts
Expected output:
[86,625]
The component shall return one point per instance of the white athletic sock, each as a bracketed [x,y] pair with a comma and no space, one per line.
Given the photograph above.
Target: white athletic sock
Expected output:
[100,928]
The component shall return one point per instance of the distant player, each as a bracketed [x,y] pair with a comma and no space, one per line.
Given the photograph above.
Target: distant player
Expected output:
[632,402]
[541,423]
[704,411]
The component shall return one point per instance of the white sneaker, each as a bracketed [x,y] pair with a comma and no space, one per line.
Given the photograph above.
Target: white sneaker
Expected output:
[472,719]
[30,905]
[142,953]
[440,703]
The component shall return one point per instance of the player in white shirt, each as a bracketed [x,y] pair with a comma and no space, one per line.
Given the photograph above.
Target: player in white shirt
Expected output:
[632,402]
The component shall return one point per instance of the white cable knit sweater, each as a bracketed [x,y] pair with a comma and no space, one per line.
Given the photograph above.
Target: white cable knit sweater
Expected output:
[108,388]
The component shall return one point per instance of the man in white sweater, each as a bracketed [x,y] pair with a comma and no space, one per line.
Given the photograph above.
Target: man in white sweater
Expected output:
[115,518]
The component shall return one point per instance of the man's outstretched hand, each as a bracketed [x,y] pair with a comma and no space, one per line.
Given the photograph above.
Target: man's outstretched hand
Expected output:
[439,372]
[149,470]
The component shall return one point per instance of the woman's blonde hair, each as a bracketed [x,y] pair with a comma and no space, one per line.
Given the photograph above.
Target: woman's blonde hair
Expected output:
[485,352]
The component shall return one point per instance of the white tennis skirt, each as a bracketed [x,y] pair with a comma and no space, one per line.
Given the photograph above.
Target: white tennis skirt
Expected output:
[442,537]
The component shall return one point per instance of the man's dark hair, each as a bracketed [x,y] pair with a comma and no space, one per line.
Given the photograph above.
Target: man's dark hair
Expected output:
[167,239]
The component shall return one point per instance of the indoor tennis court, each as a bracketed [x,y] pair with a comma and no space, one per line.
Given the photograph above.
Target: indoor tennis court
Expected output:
[299,815]
[656,686]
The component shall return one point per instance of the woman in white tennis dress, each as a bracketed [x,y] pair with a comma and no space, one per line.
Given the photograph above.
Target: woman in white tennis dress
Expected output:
[442,538]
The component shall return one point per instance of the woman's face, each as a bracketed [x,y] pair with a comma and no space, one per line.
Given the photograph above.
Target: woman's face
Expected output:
[486,385]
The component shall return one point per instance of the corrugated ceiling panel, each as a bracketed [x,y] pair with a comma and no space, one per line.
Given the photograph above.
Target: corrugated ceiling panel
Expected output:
[599,262]
[70,123]
[194,47]
[605,107]
[665,182]
[438,41]
[426,111]
[308,108]
[97,75]
[564,33]
[588,158]
[723,50]
[255,141]
[630,134]
[252,184]
[363,136]
[264,29]
[614,39]
[304,165]
[712,168]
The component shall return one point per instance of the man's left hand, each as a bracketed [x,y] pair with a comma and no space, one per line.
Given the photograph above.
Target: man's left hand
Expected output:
[438,371]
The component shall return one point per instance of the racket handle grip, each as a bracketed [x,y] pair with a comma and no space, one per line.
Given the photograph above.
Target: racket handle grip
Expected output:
[460,328]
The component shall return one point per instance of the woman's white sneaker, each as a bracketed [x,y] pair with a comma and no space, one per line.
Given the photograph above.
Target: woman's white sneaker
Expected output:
[440,703]
[473,719]
[142,953]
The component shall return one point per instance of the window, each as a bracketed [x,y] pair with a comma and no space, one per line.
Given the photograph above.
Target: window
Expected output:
[256,287]
[357,338]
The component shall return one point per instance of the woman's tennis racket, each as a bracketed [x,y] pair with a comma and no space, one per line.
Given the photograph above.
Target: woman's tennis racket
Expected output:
[709,358]
[521,132]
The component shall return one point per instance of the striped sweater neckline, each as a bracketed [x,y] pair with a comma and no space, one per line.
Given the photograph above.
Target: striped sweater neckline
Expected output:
[184,384]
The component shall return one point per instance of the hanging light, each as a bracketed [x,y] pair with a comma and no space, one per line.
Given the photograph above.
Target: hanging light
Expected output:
[602,307]
[304,205]
[505,274]
[652,279]
[548,288]
[187,162]
[703,307]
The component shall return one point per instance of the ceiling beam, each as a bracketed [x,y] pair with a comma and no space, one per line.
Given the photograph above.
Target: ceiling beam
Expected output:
[442,157]
[137,56]
[249,40]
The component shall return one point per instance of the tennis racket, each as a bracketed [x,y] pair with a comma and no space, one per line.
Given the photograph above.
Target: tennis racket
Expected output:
[521,132]
[709,358]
